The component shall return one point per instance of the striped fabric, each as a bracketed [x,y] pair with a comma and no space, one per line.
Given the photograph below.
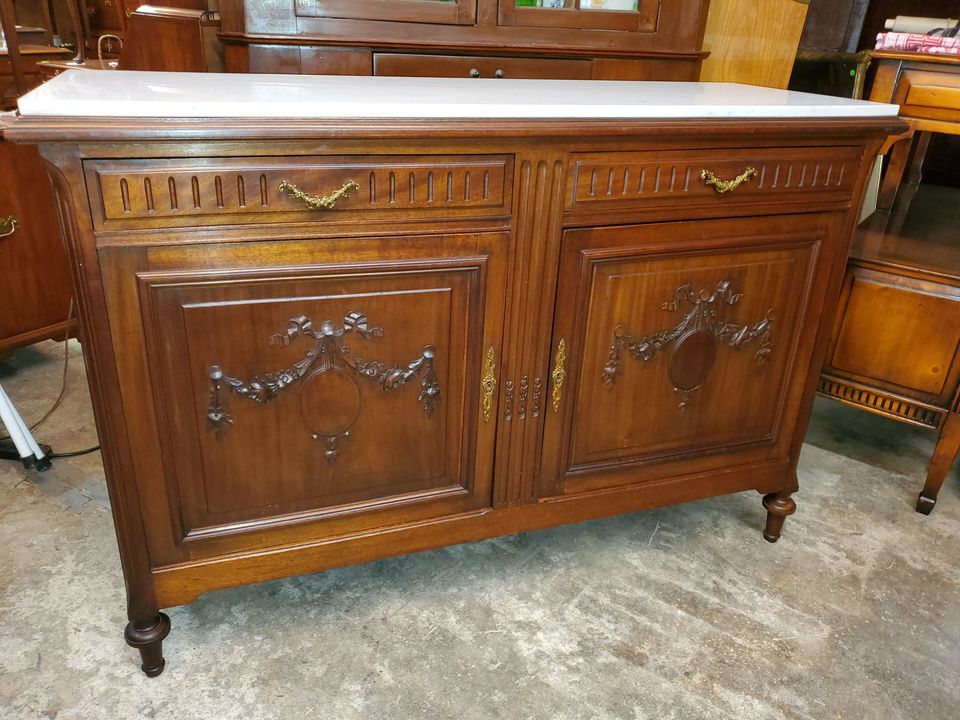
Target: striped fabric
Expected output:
[918,43]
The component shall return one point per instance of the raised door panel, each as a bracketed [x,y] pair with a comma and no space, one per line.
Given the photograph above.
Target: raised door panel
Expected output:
[298,397]
[677,343]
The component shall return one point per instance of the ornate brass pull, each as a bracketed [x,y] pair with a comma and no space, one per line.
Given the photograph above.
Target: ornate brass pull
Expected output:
[559,374]
[725,186]
[319,202]
[8,226]
[489,383]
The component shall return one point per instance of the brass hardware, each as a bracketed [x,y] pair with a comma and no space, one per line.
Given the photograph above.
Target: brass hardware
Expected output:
[498,74]
[319,202]
[489,383]
[559,373]
[474,73]
[725,186]
[8,226]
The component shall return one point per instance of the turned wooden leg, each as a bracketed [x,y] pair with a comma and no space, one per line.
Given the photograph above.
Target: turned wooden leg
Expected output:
[147,637]
[779,506]
[948,446]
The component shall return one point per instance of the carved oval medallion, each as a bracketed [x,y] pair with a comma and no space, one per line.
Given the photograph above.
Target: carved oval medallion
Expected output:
[329,402]
[692,358]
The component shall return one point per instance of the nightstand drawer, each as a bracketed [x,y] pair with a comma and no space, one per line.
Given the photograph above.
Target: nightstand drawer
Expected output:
[188,192]
[669,178]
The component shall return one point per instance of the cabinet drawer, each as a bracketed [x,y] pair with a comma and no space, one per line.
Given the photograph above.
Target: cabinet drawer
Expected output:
[929,95]
[189,192]
[652,179]
[412,65]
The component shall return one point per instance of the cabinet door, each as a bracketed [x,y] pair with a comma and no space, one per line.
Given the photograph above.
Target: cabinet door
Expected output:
[624,15]
[308,389]
[449,12]
[680,347]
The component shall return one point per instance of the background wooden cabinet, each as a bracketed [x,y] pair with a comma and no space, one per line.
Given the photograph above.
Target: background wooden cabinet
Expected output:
[36,289]
[460,38]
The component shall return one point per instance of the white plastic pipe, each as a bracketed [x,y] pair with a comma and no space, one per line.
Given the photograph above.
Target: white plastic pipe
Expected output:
[19,432]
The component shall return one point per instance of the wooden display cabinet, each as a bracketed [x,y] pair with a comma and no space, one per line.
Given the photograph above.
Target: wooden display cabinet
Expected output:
[466,38]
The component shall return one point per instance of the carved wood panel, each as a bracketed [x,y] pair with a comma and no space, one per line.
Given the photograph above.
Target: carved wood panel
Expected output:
[256,189]
[677,350]
[373,408]
[654,178]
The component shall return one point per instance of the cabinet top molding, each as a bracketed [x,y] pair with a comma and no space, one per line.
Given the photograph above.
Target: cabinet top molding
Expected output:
[115,94]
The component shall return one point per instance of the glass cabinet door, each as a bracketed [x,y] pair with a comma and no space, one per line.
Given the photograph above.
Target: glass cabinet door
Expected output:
[626,15]
[451,12]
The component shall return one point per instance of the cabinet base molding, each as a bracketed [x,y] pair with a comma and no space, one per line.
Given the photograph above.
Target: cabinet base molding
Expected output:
[881,403]
[182,584]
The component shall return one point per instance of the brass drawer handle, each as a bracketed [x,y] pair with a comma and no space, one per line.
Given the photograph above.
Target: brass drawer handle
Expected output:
[725,186]
[489,383]
[319,202]
[8,226]
[559,373]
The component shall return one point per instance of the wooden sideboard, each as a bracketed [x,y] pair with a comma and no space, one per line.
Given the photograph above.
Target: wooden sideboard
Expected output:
[464,38]
[896,346]
[317,340]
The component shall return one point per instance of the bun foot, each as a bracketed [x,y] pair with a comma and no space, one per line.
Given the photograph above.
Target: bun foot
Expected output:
[778,508]
[925,503]
[147,637]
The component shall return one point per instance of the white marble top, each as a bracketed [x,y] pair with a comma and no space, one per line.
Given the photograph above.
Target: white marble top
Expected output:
[117,94]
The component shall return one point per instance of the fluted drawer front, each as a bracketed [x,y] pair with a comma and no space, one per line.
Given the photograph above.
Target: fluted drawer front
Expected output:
[185,192]
[652,179]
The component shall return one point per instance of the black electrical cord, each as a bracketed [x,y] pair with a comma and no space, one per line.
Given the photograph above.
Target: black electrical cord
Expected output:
[75,453]
[59,400]
[63,379]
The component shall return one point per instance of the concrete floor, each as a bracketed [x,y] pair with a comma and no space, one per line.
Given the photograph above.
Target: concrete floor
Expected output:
[679,613]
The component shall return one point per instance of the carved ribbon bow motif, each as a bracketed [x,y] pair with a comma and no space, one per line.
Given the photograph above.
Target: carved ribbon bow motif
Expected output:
[328,354]
[693,341]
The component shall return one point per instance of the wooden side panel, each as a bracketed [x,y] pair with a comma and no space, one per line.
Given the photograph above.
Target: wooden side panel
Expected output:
[681,343]
[672,178]
[752,41]
[900,333]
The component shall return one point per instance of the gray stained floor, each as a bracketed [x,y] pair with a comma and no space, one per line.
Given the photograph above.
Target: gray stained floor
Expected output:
[678,613]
